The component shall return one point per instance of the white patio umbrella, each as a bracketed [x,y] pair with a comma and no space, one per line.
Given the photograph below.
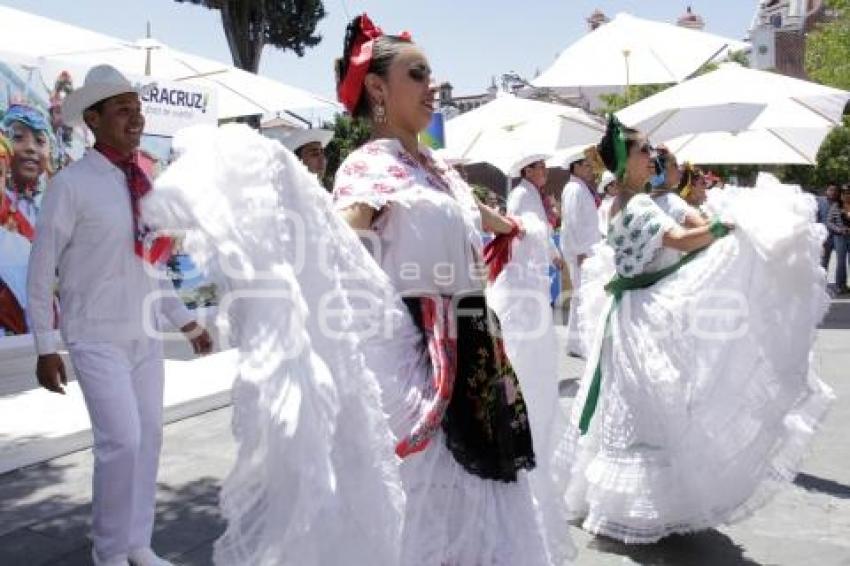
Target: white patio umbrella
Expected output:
[767,146]
[631,51]
[238,92]
[719,106]
[786,103]
[684,120]
[501,130]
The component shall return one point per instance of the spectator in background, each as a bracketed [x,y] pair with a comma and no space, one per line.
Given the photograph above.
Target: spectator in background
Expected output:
[579,232]
[30,135]
[308,145]
[825,201]
[838,224]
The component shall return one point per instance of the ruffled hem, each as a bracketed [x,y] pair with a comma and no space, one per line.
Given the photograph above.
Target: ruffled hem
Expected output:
[454,518]
[800,424]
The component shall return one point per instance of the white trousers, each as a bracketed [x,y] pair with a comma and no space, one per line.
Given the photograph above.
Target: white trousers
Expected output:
[574,342]
[122,385]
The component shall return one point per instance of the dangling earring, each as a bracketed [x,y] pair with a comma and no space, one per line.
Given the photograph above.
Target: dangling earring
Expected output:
[380,113]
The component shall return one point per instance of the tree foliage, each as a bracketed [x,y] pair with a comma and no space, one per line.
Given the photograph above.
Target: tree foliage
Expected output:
[349,134]
[828,62]
[828,48]
[615,102]
[249,25]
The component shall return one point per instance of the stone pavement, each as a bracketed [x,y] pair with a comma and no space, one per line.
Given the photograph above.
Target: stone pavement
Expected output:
[44,508]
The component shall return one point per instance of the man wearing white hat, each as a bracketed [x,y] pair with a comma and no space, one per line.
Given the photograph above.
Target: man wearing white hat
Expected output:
[308,145]
[529,197]
[111,290]
[579,233]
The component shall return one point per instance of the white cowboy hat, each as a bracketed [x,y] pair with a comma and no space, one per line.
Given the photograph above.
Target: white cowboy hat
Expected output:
[293,139]
[519,165]
[564,158]
[102,82]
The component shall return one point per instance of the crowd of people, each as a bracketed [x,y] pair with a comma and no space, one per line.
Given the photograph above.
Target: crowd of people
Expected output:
[441,441]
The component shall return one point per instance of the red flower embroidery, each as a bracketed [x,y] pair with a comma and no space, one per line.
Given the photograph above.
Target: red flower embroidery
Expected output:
[343,190]
[398,172]
[372,148]
[358,168]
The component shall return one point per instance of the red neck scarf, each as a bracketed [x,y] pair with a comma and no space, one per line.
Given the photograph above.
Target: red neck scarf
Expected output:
[351,86]
[549,207]
[152,250]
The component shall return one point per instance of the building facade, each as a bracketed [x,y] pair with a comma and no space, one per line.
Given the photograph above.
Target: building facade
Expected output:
[778,34]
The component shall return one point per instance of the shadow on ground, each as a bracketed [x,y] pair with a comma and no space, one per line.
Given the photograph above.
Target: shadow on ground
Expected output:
[822,485]
[187,523]
[19,500]
[706,548]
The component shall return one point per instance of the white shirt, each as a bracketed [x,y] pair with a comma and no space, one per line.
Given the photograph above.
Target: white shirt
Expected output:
[427,233]
[579,220]
[525,199]
[85,234]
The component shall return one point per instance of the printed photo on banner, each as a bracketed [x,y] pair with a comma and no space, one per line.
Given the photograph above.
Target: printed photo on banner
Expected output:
[35,144]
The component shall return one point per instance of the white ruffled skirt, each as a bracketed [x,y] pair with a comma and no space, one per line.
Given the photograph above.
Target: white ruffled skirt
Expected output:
[708,398]
[452,517]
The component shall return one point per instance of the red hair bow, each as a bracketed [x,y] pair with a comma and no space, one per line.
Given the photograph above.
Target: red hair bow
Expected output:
[351,86]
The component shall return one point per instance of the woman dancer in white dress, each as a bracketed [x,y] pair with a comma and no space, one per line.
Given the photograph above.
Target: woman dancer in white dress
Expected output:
[698,399]
[467,452]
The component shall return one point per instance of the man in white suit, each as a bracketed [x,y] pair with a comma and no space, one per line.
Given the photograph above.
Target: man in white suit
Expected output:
[90,232]
[579,233]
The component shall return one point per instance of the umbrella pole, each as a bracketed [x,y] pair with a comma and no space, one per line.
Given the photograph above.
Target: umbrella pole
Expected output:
[793,147]
[626,54]
[148,54]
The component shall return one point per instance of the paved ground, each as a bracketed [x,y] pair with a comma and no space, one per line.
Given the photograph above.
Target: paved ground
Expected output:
[44,510]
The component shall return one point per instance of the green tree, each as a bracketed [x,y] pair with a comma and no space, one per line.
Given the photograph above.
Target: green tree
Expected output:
[828,62]
[828,48]
[615,102]
[249,25]
[349,134]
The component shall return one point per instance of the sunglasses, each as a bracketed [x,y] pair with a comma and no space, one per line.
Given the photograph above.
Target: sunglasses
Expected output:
[645,149]
[419,73]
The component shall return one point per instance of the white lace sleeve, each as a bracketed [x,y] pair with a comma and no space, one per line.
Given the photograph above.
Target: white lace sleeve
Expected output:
[370,176]
[637,233]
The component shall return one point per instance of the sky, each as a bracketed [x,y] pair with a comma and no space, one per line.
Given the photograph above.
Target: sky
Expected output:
[467,41]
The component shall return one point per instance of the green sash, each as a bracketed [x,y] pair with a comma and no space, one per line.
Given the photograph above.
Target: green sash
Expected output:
[617,287]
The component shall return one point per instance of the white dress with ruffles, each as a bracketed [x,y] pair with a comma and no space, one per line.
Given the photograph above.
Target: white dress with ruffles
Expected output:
[428,231]
[708,397]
